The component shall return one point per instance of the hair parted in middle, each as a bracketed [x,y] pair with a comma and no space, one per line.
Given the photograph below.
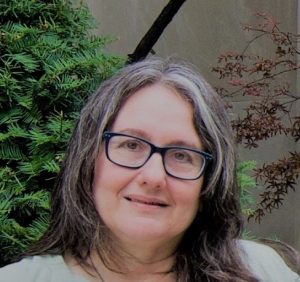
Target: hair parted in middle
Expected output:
[208,249]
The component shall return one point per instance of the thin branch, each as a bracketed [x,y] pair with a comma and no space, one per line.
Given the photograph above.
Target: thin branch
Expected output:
[258,80]
[251,41]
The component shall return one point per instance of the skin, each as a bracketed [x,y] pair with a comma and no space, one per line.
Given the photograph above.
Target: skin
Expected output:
[148,233]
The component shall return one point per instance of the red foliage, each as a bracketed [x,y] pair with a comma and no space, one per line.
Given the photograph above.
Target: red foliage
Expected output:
[271,112]
[279,177]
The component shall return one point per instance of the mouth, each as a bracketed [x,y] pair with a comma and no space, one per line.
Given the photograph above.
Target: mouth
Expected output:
[149,202]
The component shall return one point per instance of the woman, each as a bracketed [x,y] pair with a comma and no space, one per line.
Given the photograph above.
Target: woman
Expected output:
[147,191]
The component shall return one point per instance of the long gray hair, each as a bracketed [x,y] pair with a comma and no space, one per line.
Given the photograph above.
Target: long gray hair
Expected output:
[208,251]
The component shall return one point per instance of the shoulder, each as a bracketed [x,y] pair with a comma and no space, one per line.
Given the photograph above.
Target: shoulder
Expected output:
[38,268]
[265,262]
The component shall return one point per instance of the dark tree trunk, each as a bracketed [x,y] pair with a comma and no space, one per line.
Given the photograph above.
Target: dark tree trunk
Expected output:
[155,31]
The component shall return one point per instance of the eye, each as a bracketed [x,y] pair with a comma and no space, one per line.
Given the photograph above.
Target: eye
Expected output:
[181,156]
[131,145]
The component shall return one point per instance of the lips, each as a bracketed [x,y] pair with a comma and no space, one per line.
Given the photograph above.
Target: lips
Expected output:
[146,201]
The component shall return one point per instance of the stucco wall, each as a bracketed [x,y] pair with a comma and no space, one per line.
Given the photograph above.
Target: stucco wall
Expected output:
[200,31]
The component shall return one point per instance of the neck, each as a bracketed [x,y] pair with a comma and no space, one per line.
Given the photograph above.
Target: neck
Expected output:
[137,262]
[146,252]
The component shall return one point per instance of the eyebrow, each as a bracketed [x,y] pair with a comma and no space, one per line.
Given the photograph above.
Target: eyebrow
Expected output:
[141,134]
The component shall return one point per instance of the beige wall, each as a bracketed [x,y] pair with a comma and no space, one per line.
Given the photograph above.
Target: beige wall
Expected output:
[199,33]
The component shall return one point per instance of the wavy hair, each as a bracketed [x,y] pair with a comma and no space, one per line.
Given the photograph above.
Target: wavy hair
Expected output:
[209,250]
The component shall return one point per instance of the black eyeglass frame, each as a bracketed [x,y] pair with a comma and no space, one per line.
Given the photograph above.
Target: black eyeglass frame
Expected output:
[107,135]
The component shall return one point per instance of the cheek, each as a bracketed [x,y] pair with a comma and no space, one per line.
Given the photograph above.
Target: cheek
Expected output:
[189,196]
[109,179]
[193,201]
[105,172]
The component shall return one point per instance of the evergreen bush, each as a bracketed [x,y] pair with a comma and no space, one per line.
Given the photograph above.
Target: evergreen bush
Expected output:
[49,64]
[247,184]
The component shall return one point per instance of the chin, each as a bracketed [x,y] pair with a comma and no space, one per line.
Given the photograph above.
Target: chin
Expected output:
[146,232]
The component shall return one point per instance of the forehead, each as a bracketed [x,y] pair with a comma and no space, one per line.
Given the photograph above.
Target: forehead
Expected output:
[158,110]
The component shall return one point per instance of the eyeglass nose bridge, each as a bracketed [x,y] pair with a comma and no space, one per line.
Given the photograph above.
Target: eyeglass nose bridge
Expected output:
[155,149]
[161,151]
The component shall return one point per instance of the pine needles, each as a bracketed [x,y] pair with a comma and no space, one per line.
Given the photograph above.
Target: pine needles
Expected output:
[49,64]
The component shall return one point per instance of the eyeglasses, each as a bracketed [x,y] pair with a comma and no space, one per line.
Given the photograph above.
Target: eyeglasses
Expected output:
[133,152]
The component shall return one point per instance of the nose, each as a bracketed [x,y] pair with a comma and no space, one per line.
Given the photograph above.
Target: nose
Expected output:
[153,174]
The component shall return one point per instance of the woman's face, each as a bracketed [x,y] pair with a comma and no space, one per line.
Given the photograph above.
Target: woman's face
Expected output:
[125,198]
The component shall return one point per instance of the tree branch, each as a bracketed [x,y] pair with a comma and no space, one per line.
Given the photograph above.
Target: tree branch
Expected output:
[155,31]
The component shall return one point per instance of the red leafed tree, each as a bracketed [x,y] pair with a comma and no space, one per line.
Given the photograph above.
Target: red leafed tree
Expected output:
[273,111]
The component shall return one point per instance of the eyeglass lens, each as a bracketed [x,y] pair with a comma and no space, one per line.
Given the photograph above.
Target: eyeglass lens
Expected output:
[133,153]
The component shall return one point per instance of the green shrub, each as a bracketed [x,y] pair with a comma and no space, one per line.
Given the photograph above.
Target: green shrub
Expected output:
[49,64]
[247,183]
